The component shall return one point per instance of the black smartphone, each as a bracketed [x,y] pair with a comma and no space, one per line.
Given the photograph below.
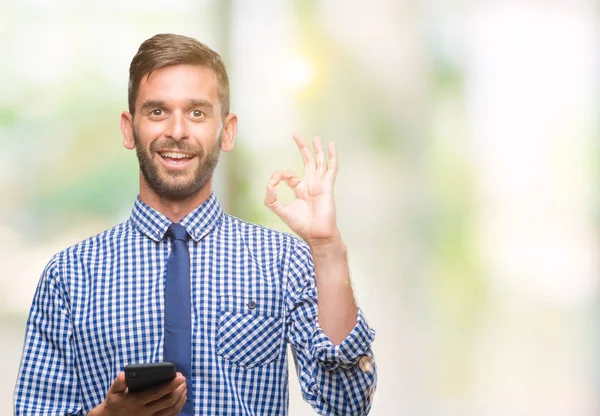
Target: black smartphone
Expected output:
[143,376]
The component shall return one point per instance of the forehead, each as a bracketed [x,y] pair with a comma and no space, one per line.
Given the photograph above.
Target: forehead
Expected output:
[179,83]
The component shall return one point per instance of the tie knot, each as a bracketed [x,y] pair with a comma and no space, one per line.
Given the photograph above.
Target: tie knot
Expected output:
[177,232]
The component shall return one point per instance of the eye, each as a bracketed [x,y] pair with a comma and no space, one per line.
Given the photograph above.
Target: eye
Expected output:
[197,113]
[157,112]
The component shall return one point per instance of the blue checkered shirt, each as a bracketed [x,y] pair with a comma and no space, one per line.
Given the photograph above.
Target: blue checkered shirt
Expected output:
[99,306]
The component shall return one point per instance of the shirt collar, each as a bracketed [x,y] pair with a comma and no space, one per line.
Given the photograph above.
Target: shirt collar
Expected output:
[197,223]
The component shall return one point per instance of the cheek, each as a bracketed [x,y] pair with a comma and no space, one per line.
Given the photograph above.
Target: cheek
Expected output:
[152,130]
[206,132]
[201,129]
[148,133]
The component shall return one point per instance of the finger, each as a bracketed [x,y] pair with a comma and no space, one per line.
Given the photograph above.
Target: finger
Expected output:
[333,160]
[285,175]
[180,403]
[118,384]
[271,199]
[320,156]
[272,202]
[155,393]
[168,400]
[304,151]
[176,408]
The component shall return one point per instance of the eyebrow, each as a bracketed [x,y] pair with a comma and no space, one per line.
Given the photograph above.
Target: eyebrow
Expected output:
[207,105]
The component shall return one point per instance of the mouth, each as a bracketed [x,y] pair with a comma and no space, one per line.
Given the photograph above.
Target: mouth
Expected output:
[175,160]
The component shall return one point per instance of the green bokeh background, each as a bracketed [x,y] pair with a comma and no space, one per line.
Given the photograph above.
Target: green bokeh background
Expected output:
[467,185]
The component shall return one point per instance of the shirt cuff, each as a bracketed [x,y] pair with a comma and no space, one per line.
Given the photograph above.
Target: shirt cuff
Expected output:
[353,348]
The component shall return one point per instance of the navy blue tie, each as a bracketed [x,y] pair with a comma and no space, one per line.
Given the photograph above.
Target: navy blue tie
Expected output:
[178,315]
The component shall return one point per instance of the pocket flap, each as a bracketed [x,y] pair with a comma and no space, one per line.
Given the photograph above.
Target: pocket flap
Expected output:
[251,305]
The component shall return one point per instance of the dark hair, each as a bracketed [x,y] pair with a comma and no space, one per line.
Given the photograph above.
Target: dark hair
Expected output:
[167,49]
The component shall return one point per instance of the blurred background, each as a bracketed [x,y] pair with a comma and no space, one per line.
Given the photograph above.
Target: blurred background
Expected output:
[467,194]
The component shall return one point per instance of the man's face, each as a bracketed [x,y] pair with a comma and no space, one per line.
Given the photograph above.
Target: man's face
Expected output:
[177,129]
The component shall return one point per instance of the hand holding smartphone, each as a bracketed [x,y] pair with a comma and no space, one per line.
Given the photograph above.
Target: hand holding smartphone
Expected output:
[155,388]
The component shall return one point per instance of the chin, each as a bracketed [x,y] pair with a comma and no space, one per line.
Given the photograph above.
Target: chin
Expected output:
[177,190]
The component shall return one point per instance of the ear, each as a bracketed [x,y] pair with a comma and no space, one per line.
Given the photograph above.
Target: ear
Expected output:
[127,130]
[229,132]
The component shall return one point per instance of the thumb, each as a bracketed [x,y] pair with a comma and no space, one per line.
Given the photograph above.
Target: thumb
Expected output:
[119,384]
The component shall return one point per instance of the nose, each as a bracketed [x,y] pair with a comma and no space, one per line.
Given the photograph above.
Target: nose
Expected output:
[177,128]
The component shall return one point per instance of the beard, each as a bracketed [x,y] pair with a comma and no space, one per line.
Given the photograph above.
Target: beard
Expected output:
[172,185]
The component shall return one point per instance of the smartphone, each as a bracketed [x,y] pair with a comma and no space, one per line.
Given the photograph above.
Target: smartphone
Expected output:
[143,376]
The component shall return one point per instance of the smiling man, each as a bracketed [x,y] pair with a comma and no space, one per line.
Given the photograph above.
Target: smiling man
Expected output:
[182,281]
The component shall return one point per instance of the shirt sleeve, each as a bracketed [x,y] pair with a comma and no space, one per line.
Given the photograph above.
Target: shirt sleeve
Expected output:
[47,382]
[335,379]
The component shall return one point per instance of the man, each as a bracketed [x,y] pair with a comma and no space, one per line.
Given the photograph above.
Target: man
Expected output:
[181,281]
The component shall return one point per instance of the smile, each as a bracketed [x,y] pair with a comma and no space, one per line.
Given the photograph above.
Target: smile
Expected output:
[175,160]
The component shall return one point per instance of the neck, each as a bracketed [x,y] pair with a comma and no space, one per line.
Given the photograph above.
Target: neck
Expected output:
[175,210]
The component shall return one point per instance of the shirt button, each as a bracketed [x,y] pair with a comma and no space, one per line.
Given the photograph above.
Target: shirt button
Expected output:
[366,364]
[252,304]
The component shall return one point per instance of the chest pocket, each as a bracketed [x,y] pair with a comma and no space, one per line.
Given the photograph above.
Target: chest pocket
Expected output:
[250,330]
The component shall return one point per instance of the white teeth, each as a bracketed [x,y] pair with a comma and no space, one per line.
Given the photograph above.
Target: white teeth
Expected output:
[174,155]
